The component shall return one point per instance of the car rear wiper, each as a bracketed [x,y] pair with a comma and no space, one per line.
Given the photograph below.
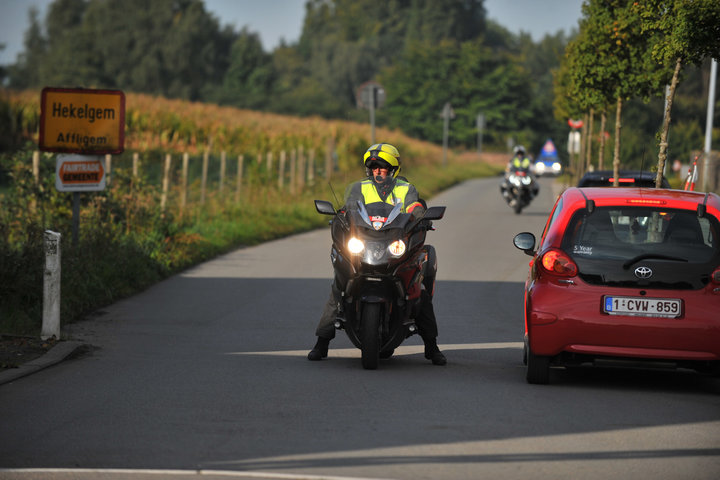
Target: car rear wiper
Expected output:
[646,256]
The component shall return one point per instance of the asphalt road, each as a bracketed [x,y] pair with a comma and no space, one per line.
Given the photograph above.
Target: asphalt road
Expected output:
[205,374]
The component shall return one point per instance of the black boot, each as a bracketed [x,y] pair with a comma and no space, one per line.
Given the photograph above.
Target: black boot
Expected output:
[320,350]
[433,353]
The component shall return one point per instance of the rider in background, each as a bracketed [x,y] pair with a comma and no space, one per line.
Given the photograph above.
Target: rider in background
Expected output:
[382,165]
[519,161]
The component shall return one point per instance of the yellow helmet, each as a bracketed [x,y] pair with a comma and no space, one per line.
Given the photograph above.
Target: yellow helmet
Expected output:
[383,152]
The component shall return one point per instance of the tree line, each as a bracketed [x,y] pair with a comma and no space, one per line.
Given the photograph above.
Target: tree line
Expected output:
[445,49]
[629,49]
[425,53]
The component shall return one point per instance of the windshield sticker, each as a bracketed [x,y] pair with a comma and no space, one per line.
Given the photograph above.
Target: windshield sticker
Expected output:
[582,250]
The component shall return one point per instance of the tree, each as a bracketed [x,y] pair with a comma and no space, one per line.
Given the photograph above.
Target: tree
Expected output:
[542,60]
[608,62]
[249,75]
[472,77]
[683,32]
[168,47]
[348,42]
[26,72]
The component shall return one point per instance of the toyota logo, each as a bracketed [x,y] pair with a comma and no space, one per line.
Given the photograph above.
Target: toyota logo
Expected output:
[643,272]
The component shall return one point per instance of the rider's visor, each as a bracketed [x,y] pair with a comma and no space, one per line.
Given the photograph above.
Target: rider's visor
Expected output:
[374,163]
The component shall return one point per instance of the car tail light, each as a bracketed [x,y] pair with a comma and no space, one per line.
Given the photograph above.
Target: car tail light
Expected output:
[558,263]
[621,180]
[643,201]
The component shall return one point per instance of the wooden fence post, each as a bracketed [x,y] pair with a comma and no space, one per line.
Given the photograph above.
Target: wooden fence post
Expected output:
[135,161]
[311,167]
[184,183]
[329,147]
[36,167]
[108,169]
[203,184]
[293,180]
[238,185]
[281,173]
[165,184]
[222,173]
[36,177]
[301,169]
[269,164]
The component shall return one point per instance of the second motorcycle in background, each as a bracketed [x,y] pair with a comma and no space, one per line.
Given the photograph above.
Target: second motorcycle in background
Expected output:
[519,186]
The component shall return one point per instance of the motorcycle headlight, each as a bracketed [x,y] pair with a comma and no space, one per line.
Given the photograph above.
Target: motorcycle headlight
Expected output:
[526,180]
[515,180]
[355,245]
[397,248]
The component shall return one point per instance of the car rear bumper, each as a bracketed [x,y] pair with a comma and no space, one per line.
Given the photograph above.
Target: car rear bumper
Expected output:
[570,319]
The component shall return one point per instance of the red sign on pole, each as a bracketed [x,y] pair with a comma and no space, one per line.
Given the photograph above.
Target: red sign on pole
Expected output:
[575,124]
[80,173]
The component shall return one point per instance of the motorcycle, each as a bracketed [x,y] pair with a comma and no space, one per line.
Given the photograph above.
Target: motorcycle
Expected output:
[518,188]
[381,266]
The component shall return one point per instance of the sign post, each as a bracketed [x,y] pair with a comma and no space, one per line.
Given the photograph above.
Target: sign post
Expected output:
[447,114]
[480,121]
[574,141]
[371,95]
[88,124]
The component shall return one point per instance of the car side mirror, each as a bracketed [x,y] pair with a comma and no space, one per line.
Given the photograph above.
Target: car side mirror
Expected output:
[525,241]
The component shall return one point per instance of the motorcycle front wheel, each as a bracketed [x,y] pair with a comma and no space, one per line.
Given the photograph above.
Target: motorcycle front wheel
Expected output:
[370,335]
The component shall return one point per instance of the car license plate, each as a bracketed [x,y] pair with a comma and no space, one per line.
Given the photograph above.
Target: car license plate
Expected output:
[642,306]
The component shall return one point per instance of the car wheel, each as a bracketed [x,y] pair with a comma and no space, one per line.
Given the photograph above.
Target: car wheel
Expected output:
[525,350]
[538,369]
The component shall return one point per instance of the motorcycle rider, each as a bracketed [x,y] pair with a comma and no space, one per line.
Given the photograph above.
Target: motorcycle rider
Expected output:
[519,161]
[382,165]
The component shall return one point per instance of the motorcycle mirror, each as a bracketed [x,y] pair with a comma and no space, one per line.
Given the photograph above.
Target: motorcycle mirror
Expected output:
[325,207]
[434,213]
[525,241]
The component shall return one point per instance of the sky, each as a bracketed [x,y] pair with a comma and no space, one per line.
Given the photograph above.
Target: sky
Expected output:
[275,20]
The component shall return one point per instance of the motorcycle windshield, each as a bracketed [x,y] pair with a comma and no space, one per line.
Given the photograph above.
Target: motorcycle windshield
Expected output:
[379,216]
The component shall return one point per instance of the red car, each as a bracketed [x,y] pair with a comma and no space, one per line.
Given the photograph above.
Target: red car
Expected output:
[626,275]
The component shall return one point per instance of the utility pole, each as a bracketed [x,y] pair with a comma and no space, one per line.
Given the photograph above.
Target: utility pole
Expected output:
[709,125]
[447,114]
[480,126]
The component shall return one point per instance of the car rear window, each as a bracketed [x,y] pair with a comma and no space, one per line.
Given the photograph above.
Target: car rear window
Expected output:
[624,232]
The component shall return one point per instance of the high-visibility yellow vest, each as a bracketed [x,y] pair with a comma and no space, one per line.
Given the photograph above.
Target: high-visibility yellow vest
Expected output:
[524,163]
[370,194]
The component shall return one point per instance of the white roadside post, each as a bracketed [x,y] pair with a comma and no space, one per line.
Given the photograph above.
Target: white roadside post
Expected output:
[51,287]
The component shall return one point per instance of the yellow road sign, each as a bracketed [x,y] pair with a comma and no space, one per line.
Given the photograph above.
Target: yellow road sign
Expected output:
[79,120]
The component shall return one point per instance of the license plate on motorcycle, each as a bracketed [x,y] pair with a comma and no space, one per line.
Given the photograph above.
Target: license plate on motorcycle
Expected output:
[643,307]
